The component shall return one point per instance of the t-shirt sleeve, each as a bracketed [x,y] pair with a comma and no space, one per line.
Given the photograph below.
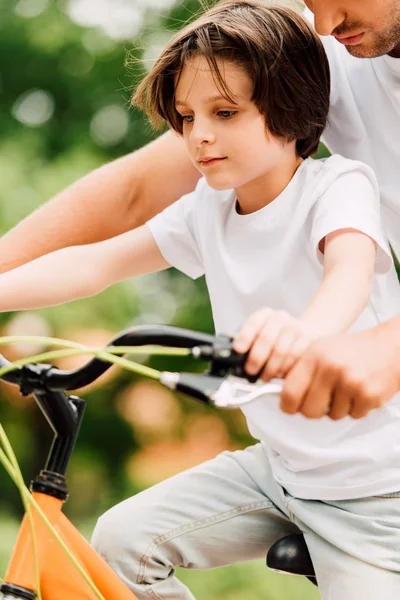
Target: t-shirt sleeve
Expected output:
[352,202]
[175,233]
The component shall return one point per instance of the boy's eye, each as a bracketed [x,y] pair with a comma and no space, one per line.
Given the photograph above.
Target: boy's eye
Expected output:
[187,118]
[226,114]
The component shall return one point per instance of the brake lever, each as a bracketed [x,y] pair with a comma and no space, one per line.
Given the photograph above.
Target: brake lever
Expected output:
[223,358]
[235,392]
[223,392]
[200,386]
[226,384]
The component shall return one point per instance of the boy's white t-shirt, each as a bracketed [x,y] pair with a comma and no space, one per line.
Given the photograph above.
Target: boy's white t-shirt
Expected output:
[271,258]
[364,121]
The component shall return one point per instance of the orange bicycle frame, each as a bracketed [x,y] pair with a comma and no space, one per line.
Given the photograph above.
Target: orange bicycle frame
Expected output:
[59,577]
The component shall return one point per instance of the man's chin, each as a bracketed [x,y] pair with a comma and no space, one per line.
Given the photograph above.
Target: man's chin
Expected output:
[364,50]
[359,52]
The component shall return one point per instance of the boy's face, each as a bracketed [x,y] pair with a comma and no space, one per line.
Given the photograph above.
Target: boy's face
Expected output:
[227,141]
[372,27]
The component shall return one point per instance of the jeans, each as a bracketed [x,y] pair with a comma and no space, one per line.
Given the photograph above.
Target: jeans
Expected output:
[229,510]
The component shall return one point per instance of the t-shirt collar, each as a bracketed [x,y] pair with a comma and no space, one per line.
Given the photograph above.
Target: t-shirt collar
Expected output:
[275,207]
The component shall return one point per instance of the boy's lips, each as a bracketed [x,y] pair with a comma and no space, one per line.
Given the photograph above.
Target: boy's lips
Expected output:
[208,161]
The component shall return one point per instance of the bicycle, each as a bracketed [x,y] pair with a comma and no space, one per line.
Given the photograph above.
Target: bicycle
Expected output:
[224,385]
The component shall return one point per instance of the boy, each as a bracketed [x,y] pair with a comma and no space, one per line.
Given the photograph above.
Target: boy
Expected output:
[247,86]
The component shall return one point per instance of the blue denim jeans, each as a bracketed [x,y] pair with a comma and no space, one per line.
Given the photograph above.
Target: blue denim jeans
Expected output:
[229,510]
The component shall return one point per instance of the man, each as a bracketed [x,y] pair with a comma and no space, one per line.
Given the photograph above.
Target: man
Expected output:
[348,374]
[354,373]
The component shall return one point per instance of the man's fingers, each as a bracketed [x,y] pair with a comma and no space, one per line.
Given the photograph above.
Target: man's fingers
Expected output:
[297,384]
[368,395]
[343,375]
[342,402]
[359,408]
[318,399]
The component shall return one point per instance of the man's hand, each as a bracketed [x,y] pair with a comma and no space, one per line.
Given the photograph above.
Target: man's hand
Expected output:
[274,340]
[346,374]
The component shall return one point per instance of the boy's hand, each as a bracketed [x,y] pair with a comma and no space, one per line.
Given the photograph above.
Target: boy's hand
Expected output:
[274,340]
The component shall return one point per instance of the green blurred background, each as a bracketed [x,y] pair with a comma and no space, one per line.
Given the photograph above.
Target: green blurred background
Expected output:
[65,89]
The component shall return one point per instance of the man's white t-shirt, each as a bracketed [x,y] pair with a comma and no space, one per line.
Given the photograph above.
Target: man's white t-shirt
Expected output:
[364,121]
[271,258]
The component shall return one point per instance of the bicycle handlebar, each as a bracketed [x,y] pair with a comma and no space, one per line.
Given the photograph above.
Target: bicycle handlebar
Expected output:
[160,335]
[211,387]
[142,335]
[225,385]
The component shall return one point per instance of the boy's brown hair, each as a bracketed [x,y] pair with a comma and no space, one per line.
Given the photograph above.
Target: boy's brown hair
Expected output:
[277,48]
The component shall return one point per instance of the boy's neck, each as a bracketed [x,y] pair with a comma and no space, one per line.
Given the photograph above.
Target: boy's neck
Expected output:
[256,194]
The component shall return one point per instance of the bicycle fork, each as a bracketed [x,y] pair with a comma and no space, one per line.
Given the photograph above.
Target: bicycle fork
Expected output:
[59,577]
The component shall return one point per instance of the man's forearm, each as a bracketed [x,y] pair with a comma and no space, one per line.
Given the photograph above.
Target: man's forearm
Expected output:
[111,200]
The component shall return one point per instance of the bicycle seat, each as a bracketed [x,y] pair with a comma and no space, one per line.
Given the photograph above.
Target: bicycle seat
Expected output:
[290,555]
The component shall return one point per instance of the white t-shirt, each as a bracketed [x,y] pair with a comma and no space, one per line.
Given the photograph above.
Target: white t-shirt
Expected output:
[271,258]
[364,121]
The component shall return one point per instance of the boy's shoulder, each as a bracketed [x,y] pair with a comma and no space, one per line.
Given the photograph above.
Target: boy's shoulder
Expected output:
[337,163]
[331,182]
[326,171]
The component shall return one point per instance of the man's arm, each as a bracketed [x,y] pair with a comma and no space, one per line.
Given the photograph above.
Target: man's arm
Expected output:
[347,374]
[111,200]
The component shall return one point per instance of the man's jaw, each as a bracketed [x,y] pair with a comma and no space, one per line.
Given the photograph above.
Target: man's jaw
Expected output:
[362,43]
[395,53]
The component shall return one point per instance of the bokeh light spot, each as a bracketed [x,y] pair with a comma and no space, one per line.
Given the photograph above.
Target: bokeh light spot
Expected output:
[109,125]
[30,8]
[33,108]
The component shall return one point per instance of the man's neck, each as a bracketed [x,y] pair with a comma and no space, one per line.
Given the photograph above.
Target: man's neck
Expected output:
[395,52]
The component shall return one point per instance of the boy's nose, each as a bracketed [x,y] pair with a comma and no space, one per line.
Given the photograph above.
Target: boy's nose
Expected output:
[327,18]
[201,134]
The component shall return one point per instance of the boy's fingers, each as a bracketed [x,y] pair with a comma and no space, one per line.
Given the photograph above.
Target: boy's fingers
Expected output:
[250,329]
